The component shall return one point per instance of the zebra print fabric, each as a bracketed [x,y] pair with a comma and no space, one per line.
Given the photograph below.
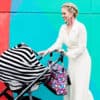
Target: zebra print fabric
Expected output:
[19,65]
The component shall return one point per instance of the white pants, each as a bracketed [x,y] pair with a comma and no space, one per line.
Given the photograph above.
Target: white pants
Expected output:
[69,96]
[79,71]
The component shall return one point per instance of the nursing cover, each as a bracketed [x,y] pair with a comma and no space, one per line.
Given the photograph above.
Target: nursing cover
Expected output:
[19,65]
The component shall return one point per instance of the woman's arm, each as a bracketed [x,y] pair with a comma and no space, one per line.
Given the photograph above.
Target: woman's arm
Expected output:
[59,41]
[57,45]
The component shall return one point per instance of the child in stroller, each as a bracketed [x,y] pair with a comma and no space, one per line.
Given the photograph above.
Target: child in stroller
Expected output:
[19,67]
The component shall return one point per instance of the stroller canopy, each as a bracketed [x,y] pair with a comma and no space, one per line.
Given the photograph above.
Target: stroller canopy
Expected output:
[20,64]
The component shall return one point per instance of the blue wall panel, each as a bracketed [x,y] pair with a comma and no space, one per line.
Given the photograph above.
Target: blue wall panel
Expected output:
[96,6]
[37,23]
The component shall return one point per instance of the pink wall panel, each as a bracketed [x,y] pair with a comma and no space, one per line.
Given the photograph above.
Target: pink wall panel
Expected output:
[4,24]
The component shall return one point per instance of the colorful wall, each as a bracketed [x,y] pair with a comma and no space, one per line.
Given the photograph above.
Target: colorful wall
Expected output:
[4,24]
[37,22]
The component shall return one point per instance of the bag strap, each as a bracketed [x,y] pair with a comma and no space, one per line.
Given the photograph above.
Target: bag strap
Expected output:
[68,80]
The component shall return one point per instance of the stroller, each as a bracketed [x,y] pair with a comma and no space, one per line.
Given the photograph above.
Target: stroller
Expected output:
[21,70]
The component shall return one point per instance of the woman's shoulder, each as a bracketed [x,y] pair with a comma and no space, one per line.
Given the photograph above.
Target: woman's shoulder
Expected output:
[81,27]
[80,24]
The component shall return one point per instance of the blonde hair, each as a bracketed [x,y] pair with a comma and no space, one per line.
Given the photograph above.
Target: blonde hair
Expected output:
[71,8]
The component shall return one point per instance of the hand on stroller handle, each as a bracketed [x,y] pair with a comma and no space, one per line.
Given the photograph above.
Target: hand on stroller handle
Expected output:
[42,54]
[45,52]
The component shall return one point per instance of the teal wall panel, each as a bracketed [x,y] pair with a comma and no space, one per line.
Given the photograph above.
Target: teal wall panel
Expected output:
[37,23]
[30,27]
[36,5]
[96,6]
[96,48]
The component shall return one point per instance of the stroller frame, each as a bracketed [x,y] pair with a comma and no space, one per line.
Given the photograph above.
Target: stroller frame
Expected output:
[36,80]
[32,83]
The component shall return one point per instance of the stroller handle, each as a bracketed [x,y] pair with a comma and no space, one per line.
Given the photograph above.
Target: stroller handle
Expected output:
[61,54]
[51,55]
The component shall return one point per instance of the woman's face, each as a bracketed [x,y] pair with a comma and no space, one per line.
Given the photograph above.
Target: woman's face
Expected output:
[66,14]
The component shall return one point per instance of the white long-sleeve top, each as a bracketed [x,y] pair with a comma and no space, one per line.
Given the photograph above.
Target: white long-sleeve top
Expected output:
[76,40]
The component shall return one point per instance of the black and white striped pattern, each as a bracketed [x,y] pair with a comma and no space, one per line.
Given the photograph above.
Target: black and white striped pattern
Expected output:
[20,65]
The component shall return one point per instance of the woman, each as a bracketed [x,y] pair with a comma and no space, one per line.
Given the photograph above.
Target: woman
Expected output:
[73,34]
